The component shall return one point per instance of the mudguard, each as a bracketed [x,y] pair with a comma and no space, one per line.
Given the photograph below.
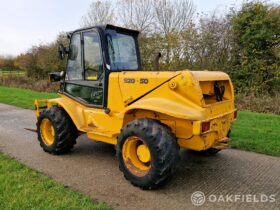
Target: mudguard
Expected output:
[167,107]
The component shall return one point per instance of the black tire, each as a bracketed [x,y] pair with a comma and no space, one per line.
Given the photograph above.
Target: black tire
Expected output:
[212,151]
[163,148]
[65,132]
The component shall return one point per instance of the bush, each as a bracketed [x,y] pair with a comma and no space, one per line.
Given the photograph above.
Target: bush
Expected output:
[28,83]
[257,64]
[261,103]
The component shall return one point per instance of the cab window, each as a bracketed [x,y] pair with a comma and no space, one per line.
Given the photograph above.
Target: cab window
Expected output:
[92,56]
[84,69]
[122,51]
[74,65]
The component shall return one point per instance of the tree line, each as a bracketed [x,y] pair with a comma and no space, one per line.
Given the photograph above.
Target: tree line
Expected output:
[243,42]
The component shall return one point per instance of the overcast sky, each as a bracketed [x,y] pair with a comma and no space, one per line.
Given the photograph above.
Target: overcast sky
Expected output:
[24,23]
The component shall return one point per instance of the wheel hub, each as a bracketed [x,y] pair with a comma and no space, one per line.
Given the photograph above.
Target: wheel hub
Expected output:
[143,153]
[47,131]
[136,156]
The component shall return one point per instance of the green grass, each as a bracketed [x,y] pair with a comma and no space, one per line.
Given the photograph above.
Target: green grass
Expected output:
[257,132]
[24,188]
[22,97]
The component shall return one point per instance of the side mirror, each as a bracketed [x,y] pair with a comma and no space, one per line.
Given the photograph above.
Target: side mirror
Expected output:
[73,52]
[55,76]
[62,51]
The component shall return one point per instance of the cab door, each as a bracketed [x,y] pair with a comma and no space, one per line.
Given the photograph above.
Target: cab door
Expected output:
[84,80]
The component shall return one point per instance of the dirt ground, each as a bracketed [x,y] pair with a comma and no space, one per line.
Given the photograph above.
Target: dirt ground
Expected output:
[92,168]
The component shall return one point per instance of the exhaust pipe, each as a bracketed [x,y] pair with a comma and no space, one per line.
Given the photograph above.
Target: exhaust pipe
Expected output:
[156,61]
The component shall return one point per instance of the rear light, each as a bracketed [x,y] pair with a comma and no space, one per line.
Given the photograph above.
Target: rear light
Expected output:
[205,126]
[235,114]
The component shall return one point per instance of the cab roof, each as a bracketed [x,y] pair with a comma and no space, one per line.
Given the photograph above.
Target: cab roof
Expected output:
[104,28]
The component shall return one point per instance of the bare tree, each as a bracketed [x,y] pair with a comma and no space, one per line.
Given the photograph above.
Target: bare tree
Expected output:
[100,12]
[173,16]
[208,43]
[137,14]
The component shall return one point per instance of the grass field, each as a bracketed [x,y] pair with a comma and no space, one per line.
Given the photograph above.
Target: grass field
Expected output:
[24,188]
[252,131]
[257,132]
[22,97]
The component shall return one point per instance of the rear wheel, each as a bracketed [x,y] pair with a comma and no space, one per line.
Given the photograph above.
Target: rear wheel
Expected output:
[147,153]
[56,132]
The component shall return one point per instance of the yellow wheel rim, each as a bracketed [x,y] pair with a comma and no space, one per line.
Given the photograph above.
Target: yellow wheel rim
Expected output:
[136,156]
[47,131]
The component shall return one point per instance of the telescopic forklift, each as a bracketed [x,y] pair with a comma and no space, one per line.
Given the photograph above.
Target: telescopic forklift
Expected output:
[147,115]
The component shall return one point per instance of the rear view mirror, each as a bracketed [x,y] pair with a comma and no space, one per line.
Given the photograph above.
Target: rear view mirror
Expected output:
[73,52]
[55,76]
[62,51]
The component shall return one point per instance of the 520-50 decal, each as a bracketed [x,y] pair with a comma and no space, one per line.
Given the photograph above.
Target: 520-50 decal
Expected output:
[132,80]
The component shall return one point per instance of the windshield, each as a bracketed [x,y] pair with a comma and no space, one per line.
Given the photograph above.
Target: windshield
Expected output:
[122,52]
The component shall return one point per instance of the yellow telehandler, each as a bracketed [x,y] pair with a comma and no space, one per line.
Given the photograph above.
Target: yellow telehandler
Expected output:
[148,115]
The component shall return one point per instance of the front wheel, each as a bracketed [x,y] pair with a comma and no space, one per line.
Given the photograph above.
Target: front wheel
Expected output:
[56,132]
[147,153]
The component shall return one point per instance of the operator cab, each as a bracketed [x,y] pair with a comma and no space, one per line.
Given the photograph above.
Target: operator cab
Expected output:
[94,53]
